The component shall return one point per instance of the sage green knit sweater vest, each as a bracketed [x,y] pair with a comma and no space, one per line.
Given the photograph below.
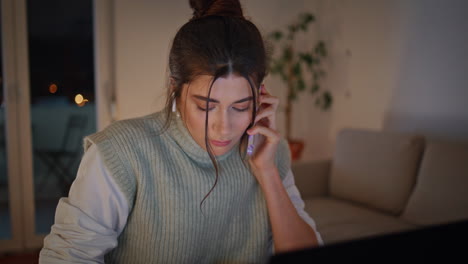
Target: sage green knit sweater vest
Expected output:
[164,176]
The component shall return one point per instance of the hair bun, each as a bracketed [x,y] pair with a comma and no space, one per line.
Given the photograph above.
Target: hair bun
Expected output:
[203,8]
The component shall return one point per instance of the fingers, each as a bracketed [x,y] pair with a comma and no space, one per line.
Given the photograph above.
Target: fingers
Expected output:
[269,99]
[268,113]
[265,125]
[271,135]
[263,90]
[268,106]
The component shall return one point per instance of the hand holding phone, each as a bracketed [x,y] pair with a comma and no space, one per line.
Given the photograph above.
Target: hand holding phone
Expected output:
[253,140]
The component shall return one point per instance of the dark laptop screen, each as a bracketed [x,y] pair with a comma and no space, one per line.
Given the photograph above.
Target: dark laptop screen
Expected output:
[443,242]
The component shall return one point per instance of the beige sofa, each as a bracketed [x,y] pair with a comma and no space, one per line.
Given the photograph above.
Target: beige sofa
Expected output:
[384,182]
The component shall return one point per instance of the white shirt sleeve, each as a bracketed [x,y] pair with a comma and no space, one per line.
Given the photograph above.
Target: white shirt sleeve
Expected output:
[297,201]
[88,222]
[299,204]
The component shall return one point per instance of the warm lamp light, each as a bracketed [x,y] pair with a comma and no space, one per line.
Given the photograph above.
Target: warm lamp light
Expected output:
[53,88]
[80,100]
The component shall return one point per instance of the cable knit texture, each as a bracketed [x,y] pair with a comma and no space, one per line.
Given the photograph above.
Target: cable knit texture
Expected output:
[164,176]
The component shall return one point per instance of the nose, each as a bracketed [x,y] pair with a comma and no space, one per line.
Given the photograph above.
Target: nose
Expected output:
[221,125]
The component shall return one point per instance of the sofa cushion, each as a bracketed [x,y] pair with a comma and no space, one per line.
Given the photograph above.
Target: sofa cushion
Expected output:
[339,221]
[440,194]
[376,169]
[312,177]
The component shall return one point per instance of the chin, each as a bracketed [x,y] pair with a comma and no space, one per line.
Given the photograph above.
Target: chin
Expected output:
[220,152]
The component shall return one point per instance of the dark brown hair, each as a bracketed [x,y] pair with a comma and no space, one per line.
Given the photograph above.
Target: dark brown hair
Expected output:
[217,41]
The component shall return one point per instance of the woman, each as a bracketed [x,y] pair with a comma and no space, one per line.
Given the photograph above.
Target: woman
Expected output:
[177,186]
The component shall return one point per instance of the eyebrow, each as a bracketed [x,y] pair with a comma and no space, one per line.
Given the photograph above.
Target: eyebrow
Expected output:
[203,98]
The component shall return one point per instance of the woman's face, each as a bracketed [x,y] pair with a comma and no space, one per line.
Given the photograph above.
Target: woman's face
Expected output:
[229,110]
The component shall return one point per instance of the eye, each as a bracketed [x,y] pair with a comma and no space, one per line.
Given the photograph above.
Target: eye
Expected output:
[241,109]
[204,109]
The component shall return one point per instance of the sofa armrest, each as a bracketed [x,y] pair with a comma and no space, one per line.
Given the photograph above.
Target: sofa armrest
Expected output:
[312,177]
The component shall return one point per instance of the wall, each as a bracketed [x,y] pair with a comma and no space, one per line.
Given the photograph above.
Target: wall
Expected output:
[363,37]
[143,32]
[431,93]
[399,65]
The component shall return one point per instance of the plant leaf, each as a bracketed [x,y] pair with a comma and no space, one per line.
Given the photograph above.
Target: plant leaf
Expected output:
[303,27]
[278,67]
[300,84]
[315,88]
[297,69]
[276,35]
[307,18]
[287,54]
[320,49]
[307,58]
[327,100]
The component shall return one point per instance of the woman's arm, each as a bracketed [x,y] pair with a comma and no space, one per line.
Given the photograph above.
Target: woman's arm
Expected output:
[296,199]
[88,222]
[290,232]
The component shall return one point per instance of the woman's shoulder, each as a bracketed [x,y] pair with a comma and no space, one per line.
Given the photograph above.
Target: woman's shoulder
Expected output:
[130,129]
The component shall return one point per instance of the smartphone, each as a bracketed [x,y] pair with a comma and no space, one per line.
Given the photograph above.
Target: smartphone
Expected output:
[254,140]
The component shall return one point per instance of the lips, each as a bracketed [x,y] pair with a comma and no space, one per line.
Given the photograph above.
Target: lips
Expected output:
[220,143]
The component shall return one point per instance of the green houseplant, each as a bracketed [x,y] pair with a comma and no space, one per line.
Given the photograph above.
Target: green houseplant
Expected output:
[300,70]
